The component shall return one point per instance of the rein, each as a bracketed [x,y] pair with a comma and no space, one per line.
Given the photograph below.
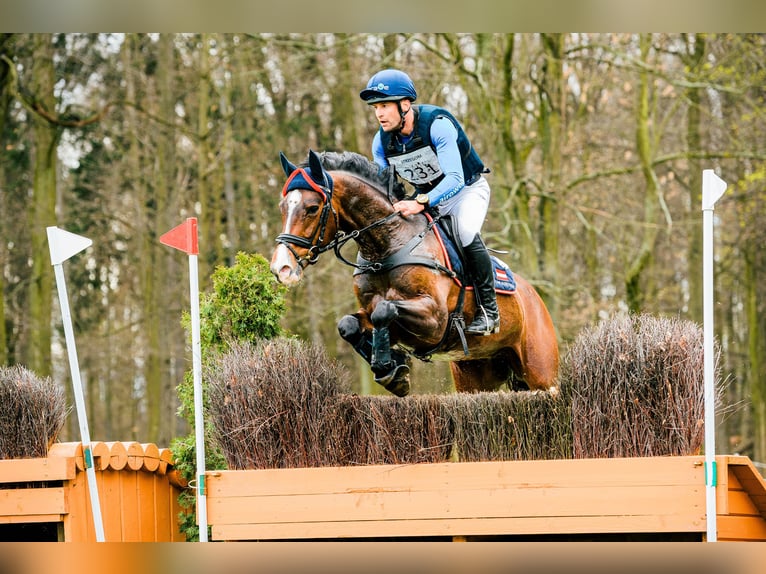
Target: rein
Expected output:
[341,238]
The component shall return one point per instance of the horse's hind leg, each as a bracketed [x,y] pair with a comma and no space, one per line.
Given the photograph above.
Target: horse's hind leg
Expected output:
[393,372]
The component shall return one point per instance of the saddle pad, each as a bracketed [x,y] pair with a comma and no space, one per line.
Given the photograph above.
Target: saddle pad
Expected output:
[504,280]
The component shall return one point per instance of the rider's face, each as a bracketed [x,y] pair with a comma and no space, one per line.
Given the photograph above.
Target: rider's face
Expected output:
[387,114]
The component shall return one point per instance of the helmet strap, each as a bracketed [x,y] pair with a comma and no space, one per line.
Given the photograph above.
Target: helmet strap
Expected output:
[402,115]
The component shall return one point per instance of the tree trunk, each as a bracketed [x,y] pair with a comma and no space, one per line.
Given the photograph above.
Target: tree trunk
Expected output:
[227,151]
[515,202]
[343,100]
[755,374]
[5,100]
[43,207]
[207,218]
[694,61]
[552,132]
[635,287]
[157,299]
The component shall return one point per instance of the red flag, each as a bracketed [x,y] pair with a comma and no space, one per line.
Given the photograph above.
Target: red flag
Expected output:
[183,237]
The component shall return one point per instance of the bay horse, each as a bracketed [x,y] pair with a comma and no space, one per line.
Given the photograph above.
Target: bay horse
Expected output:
[412,302]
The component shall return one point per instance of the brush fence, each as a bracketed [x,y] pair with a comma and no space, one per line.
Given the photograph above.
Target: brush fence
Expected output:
[592,498]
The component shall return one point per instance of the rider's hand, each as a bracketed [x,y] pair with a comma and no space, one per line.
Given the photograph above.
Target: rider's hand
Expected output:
[408,207]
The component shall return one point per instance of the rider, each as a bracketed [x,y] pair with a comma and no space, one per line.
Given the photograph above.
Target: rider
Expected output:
[429,149]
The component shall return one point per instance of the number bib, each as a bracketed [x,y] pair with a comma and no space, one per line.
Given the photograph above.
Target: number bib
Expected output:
[419,166]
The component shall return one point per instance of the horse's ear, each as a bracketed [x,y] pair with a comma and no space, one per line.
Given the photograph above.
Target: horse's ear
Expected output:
[317,171]
[287,167]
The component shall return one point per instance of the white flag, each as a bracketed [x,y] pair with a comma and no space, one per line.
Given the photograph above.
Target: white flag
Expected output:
[63,244]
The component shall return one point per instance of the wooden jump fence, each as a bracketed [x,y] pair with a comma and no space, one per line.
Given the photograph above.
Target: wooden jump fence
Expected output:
[653,498]
[47,499]
[641,498]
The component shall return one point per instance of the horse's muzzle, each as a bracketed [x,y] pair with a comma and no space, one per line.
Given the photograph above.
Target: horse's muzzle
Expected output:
[284,266]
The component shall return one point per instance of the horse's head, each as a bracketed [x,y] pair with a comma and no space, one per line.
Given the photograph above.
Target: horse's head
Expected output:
[307,227]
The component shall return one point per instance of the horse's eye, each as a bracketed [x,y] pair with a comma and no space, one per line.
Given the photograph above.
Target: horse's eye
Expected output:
[312,209]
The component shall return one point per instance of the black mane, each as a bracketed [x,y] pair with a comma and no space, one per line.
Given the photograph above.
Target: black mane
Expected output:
[361,166]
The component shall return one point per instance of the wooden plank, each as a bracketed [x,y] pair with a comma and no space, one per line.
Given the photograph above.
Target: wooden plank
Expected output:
[669,523]
[76,519]
[587,496]
[135,455]
[480,475]
[118,455]
[31,501]
[166,460]
[484,503]
[36,469]
[739,504]
[28,518]
[146,506]
[741,528]
[129,507]
[67,450]
[164,522]
[101,455]
[111,503]
[750,480]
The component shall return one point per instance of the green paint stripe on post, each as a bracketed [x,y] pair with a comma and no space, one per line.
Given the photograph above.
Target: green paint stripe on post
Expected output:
[88,457]
[711,473]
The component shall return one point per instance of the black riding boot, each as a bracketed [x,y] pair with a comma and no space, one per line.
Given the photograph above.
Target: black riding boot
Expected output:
[486,320]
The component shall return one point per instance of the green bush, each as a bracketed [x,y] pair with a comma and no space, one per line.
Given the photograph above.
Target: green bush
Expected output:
[246,305]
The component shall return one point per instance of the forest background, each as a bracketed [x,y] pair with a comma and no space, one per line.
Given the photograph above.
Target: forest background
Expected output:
[596,144]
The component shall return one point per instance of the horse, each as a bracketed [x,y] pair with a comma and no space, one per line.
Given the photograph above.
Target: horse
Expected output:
[412,302]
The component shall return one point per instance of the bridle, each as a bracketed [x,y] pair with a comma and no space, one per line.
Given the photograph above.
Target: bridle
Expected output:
[314,243]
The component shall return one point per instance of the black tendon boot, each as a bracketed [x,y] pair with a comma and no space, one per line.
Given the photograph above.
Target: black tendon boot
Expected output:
[486,320]
[394,375]
[389,365]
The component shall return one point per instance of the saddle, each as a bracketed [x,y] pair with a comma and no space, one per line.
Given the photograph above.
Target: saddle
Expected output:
[446,231]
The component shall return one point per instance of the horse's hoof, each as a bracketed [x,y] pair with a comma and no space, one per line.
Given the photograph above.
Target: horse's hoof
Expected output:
[396,381]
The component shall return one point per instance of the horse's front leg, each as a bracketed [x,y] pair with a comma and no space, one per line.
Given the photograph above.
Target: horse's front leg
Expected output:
[423,318]
[389,365]
[382,316]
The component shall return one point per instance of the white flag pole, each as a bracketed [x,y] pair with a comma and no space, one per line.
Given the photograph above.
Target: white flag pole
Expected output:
[713,188]
[199,421]
[64,245]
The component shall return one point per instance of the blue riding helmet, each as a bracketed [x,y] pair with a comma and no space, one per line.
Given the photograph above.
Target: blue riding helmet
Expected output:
[389,86]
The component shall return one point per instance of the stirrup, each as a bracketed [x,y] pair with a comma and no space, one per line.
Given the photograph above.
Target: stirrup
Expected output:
[483,324]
